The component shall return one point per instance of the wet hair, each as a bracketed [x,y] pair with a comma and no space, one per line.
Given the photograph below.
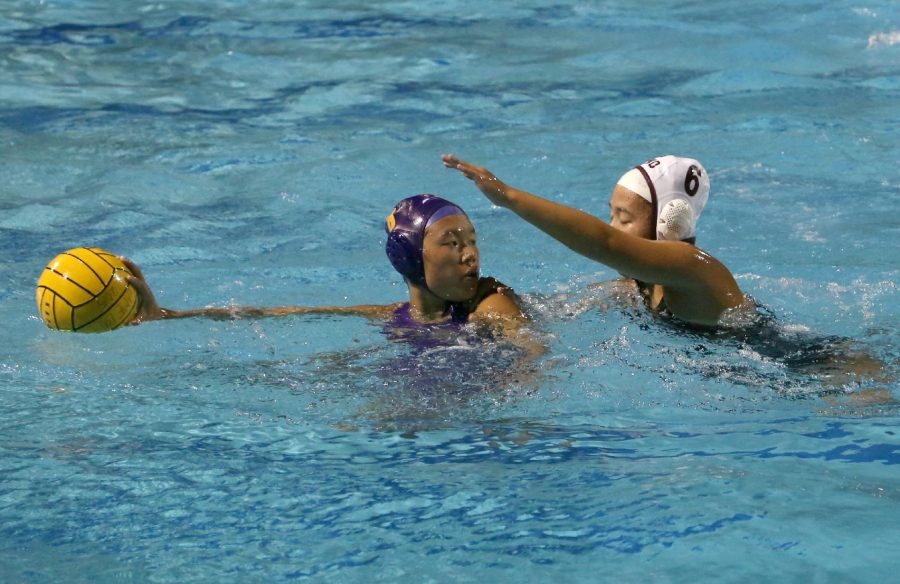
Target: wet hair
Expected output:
[406,227]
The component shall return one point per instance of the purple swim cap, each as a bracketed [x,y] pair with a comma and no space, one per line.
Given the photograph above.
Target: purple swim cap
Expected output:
[406,226]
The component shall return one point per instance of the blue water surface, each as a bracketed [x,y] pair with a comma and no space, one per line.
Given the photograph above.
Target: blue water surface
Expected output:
[248,154]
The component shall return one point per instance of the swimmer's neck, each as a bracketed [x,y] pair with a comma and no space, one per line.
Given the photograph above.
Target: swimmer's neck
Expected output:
[424,306]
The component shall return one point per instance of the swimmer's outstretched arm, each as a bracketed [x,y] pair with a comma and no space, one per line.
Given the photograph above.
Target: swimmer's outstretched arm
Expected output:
[229,313]
[586,234]
[676,265]
[151,310]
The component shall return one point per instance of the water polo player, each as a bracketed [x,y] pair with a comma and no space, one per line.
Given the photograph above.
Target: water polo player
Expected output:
[654,209]
[432,243]
[650,237]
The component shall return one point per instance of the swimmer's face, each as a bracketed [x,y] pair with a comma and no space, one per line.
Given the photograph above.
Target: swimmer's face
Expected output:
[451,258]
[630,213]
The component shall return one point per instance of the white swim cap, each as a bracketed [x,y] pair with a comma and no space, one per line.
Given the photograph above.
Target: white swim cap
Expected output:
[677,188]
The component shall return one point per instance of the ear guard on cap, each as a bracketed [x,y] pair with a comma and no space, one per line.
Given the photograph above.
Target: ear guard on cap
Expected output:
[676,221]
[405,255]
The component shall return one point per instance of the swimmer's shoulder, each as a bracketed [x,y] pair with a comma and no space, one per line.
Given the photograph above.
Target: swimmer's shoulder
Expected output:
[496,299]
[700,291]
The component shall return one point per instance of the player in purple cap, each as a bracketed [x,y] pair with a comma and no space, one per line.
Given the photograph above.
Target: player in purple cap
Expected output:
[432,243]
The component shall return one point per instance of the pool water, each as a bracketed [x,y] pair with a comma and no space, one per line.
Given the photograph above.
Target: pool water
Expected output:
[249,155]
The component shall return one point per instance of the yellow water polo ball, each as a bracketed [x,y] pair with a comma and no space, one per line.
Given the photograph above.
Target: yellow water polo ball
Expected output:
[86,290]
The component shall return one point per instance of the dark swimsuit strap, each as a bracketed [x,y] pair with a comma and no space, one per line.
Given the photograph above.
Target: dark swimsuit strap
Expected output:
[460,311]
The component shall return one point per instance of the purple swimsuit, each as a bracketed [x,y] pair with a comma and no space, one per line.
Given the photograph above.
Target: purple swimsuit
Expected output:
[403,327]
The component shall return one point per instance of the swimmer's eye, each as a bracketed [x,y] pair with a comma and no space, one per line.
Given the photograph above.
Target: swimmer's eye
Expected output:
[455,242]
[623,217]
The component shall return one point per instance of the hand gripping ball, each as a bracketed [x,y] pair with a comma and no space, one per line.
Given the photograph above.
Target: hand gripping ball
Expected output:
[86,290]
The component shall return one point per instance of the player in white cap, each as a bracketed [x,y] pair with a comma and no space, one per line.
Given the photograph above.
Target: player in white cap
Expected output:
[650,237]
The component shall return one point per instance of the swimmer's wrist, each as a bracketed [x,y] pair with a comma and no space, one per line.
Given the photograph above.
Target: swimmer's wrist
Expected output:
[509,195]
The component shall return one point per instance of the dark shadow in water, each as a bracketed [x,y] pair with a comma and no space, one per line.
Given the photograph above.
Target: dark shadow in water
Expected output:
[751,348]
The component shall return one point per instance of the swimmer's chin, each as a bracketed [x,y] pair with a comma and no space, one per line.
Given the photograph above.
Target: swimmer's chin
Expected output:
[466,292]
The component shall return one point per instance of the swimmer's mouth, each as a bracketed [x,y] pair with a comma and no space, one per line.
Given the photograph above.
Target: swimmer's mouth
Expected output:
[471,274]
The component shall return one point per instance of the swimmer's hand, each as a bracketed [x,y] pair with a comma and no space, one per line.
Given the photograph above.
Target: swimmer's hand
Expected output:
[493,188]
[149,307]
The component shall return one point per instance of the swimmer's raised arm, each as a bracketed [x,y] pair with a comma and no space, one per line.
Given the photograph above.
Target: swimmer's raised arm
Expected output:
[151,310]
[701,280]
[580,231]
[650,261]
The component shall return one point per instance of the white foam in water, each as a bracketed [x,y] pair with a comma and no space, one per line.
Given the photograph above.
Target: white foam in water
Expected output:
[884,39]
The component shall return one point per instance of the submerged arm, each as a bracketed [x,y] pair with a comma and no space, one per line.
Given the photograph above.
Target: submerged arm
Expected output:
[500,309]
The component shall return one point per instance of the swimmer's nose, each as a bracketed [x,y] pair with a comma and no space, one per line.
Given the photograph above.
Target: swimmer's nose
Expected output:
[469,255]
